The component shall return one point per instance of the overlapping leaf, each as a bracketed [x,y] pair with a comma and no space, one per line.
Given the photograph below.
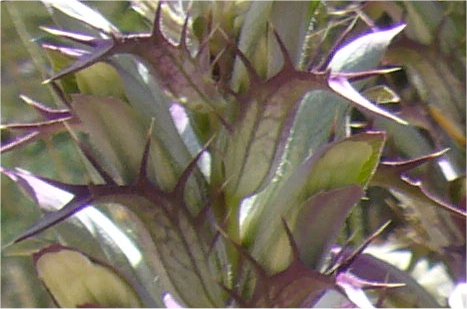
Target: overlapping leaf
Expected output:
[345,163]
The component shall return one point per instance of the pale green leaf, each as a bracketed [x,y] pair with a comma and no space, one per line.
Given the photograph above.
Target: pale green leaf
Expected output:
[73,279]
[320,115]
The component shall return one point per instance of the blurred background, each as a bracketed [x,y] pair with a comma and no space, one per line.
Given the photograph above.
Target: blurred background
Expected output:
[431,91]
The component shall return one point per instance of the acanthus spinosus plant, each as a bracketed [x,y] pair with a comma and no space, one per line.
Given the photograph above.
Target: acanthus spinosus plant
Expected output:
[221,167]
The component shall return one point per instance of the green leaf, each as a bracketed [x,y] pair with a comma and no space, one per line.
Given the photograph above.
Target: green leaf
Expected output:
[351,161]
[254,149]
[262,128]
[192,271]
[73,279]
[320,115]
[403,136]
